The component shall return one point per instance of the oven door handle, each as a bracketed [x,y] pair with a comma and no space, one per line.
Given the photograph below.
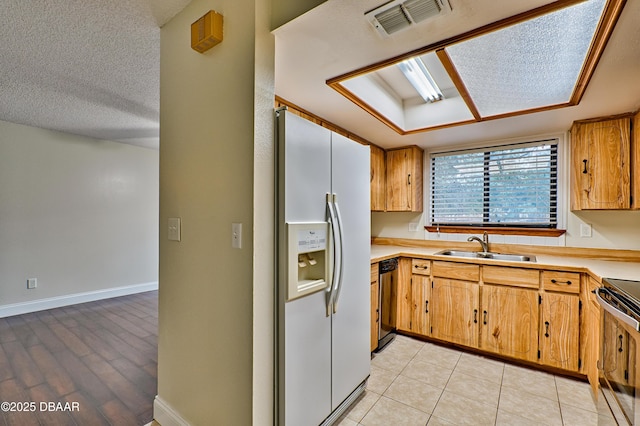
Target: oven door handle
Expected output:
[613,310]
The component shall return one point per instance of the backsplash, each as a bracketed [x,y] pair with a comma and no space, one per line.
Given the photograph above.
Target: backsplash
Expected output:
[609,229]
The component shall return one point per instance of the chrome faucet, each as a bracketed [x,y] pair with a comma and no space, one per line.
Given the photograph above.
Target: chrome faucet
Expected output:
[484,242]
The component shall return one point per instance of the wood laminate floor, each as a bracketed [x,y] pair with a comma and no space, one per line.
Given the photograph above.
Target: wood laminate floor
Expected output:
[88,364]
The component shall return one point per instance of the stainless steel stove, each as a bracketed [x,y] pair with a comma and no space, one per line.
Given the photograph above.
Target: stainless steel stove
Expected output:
[619,360]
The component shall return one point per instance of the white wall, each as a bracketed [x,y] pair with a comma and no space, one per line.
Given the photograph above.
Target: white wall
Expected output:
[78,214]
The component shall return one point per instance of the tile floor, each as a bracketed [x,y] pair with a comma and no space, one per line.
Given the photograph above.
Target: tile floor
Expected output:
[418,383]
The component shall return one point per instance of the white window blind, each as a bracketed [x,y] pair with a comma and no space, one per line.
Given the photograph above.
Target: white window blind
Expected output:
[514,185]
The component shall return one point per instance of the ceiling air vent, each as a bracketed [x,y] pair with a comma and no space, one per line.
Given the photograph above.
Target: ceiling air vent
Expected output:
[397,15]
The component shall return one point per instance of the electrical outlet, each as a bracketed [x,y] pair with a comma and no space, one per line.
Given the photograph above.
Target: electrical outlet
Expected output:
[413,226]
[32,283]
[585,230]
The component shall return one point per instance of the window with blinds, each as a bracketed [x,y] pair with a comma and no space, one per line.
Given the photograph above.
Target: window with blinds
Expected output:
[514,185]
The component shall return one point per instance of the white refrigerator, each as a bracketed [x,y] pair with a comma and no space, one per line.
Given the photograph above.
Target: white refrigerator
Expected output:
[322,292]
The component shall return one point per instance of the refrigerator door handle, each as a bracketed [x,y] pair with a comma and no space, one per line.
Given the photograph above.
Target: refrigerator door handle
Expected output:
[338,284]
[335,252]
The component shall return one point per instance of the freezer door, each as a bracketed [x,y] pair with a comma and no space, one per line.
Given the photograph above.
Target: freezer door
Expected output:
[304,329]
[351,321]
[306,362]
[305,152]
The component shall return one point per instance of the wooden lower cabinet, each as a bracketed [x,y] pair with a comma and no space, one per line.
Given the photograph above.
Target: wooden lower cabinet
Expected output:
[520,313]
[590,328]
[420,290]
[616,352]
[404,296]
[375,311]
[413,291]
[509,322]
[559,330]
[454,311]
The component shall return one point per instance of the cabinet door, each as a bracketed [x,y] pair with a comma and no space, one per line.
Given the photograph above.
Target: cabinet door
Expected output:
[559,330]
[601,165]
[635,163]
[420,286]
[404,297]
[375,318]
[590,330]
[615,351]
[454,311]
[510,321]
[378,179]
[375,311]
[404,179]
[592,320]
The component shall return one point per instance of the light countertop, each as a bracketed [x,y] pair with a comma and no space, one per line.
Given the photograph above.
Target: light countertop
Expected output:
[597,268]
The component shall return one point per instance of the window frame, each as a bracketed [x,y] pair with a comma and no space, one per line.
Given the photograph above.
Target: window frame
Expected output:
[562,179]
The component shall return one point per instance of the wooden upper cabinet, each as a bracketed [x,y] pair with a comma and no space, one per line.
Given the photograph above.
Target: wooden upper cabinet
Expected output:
[635,163]
[378,179]
[601,164]
[404,179]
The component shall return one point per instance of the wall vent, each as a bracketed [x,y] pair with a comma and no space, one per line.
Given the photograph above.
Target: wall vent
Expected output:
[397,15]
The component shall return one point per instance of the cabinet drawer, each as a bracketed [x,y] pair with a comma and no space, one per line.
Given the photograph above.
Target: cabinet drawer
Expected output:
[517,277]
[374,273]
[567,282]
[421,266]
[455,271]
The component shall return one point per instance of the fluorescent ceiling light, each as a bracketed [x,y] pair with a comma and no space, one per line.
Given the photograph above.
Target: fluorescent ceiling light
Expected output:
[419,77]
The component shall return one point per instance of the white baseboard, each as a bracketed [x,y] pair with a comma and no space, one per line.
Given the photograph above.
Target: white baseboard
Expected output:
[165,415]
[72,299]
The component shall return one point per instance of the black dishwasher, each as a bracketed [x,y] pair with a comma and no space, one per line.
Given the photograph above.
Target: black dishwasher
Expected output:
[387,292]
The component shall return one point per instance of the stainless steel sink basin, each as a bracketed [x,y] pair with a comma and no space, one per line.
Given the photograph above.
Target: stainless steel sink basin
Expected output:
[489,255]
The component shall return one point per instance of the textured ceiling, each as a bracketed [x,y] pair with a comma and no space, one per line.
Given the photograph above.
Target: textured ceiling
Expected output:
[87,67]
[335,38]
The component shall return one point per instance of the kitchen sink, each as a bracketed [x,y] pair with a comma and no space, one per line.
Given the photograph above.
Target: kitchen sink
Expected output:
[488,255]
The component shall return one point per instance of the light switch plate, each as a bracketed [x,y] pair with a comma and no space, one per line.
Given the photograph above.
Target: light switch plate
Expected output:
[32,283]
[236,235]
[174,229]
